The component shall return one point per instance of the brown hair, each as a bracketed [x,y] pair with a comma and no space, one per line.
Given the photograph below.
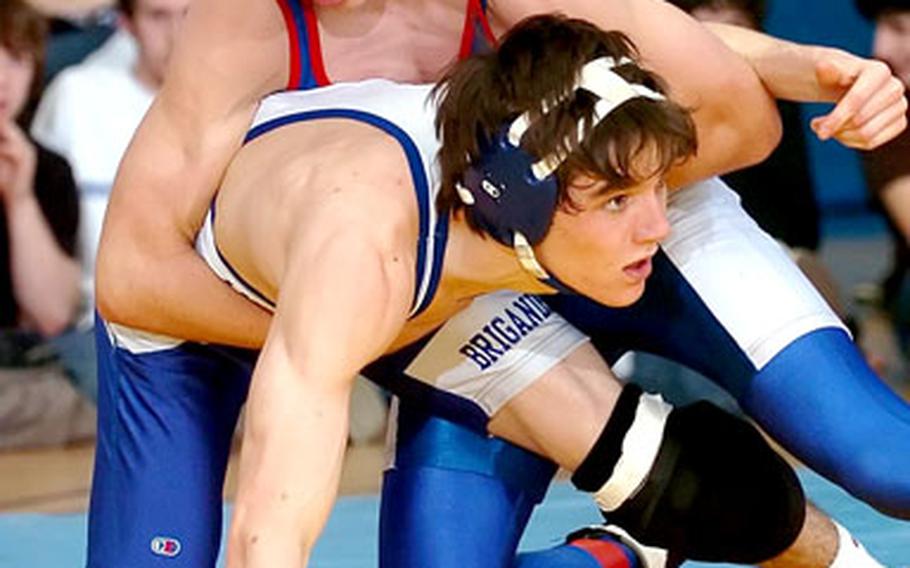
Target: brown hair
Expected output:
[872,9]
[127,7]
[537,64]
[23,31]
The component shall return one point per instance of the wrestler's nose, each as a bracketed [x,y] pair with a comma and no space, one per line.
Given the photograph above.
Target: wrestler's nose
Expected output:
[653,224]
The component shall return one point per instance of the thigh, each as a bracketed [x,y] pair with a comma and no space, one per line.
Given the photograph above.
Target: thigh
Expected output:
[167,412]
[728,302]
[480,359]
[724,297]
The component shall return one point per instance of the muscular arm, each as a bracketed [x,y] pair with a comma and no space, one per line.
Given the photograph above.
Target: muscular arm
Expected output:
[702,72]
[870,109]
[230,54]
[341,304]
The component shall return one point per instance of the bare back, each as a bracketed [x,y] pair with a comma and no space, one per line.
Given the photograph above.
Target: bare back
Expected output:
[308,181]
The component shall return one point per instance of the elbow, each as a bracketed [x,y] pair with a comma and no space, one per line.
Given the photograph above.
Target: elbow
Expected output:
[112,300]
[116,297]
[54,317]
[54,322]
[756,124]
[762,137]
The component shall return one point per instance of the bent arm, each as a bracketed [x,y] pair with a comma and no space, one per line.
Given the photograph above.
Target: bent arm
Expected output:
[340,306]
[148,275]
[735,117]
[870,105]
[45,278]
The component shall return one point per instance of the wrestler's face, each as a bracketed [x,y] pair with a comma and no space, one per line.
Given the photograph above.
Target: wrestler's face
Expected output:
[155,25]
[604,249]
[892,42]
[17,70]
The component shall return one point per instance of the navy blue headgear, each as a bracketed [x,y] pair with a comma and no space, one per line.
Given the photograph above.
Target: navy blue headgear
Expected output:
[512,194]
[506,195]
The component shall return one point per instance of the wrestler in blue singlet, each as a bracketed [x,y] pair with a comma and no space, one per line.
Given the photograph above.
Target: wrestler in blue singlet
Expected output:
[800,394]
[176,430]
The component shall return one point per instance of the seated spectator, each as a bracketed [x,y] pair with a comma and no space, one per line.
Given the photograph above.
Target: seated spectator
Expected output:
[888,167]
[75,32]
[39,287]
[89,112]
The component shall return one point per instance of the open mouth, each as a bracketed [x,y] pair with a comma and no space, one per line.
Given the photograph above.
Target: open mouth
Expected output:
[639,270]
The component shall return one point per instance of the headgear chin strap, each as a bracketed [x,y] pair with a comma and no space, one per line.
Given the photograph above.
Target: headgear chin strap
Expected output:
[512,194]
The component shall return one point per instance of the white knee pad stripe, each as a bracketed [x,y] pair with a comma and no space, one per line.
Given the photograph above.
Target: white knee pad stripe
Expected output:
[639,450]
[850,553]
[743,275]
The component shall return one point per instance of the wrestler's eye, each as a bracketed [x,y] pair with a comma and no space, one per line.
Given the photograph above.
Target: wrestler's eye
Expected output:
[617,202]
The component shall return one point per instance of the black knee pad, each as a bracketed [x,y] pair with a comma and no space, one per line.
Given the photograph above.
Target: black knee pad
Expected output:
[716,491]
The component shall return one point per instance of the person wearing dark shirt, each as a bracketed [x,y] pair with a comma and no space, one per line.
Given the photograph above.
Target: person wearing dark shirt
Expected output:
[39,290]
[887,168]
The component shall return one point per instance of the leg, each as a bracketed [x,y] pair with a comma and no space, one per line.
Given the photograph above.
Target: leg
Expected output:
[166,419]
[456,499]
[640,438]
[449,484]
[774,344]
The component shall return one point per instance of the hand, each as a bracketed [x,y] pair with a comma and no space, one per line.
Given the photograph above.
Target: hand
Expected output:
[18,158]
[871,107]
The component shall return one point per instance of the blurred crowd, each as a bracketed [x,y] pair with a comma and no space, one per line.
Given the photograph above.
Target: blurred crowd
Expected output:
[76,78]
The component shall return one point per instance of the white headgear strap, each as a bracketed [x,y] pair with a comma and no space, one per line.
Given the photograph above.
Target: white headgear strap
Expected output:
[598,78]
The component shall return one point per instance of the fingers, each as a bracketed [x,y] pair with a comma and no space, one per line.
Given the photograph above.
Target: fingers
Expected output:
[876,132]
[872,90]
[873,134]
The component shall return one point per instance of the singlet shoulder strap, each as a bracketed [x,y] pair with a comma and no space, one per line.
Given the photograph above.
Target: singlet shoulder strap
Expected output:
[307,70]
[476,36]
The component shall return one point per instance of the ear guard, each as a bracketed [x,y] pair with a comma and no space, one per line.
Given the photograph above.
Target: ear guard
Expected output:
[513,195]
[504,193]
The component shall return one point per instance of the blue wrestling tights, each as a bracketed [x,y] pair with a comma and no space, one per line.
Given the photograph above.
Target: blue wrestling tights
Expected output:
[820,399]
[458,499]
[816,396]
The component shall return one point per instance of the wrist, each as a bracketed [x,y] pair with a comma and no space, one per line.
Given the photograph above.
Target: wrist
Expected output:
[19,199]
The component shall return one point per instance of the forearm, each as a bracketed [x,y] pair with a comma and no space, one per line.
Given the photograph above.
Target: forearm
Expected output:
[45,279]
[293,447]
[787,69]
[736,119]
[172,292]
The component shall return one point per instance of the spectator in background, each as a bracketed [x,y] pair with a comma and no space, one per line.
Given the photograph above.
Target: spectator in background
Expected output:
[77,29]
[88,114]
[888,167]
[39,287]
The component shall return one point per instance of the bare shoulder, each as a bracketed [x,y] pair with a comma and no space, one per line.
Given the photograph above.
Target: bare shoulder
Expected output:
[231,52]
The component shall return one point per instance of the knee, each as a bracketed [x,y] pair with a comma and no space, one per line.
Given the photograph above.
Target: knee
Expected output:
[714,490]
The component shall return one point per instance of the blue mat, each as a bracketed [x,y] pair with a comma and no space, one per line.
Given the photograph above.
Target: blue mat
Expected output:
[349,541]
